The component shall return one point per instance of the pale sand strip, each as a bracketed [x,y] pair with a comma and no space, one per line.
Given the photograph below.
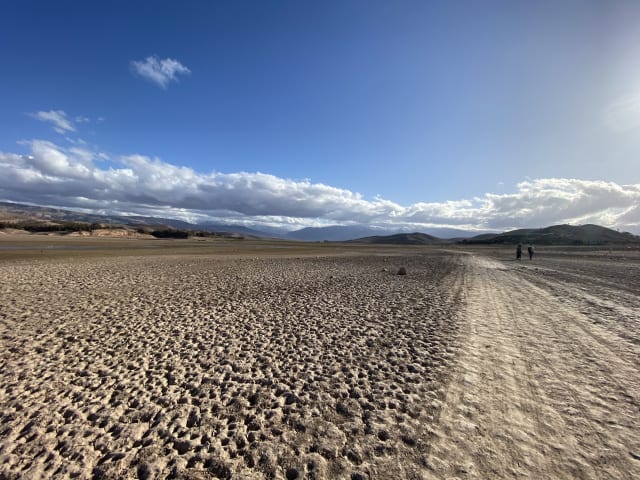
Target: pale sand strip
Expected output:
[541,390]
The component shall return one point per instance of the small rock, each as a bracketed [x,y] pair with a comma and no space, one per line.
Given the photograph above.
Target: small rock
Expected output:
[402,271]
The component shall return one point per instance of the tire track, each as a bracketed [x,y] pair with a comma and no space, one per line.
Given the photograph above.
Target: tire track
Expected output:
[539,391]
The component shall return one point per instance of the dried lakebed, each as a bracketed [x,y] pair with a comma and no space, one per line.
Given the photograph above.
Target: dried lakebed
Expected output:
[205,367]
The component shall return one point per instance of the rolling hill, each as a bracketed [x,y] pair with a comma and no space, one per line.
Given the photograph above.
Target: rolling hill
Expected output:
[558,235]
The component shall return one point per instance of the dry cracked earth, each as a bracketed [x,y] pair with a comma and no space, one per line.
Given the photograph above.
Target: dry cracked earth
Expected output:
[203,367]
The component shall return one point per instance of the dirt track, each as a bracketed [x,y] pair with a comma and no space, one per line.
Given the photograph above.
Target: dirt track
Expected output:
[548,377]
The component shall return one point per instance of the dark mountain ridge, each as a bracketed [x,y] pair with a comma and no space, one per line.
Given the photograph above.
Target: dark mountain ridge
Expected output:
[557,235]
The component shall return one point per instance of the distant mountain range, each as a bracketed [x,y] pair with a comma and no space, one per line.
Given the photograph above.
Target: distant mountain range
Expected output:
[222,227]
[416,238]
[333,233]
[341,233]
[554,235]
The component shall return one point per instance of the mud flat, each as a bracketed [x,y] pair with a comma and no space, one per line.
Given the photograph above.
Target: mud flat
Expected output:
[289,361]
[196,366]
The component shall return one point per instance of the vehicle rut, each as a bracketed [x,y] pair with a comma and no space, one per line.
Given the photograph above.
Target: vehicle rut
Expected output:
[540,390]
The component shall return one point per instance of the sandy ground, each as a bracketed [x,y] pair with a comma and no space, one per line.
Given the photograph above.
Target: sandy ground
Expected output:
[473,366]
[197,367]
[547,382]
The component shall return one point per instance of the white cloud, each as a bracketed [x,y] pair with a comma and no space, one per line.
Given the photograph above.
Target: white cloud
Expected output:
[547,201]
[58,118]
[159,71]
[136,184]
[75,141]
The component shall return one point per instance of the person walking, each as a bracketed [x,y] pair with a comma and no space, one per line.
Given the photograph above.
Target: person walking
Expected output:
[530,250]
[519,251]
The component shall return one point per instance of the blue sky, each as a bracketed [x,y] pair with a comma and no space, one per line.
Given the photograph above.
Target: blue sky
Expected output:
[486,115]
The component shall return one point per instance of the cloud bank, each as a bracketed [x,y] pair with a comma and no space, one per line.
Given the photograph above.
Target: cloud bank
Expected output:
[136,184]
[159,71]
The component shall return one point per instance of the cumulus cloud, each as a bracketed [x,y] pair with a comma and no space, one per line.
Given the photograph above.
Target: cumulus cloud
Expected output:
[159,71]
[58,118]
[137,184]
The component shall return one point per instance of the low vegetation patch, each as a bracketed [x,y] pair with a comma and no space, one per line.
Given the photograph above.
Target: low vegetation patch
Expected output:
[37,227]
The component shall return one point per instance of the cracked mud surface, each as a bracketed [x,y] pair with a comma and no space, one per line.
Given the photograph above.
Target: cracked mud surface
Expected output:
[197,367]
[472,366]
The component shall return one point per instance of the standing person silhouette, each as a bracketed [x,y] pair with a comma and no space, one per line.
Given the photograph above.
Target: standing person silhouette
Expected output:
[519,251]
[530,250]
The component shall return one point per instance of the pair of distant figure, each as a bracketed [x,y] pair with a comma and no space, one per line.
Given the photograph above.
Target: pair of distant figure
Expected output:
[519,251]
